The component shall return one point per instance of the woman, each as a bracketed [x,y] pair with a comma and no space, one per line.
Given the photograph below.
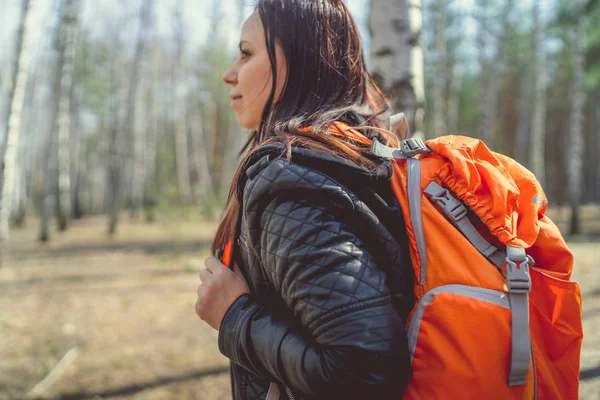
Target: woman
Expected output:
[317,299]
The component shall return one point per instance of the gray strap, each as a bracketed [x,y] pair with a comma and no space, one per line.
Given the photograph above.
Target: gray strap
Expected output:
[384,151]
[456,212]
[519,285]
[517,278]
[408,149]
[413,166]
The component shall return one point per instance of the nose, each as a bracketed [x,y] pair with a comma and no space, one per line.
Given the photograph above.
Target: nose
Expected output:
[230,76]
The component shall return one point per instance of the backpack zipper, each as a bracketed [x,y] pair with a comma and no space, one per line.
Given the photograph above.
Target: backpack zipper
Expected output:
[289,393]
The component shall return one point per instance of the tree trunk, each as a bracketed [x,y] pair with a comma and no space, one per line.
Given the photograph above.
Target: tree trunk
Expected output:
[68,48]
[118,172]
[397,57]
[483,128]
[200,158]
[577,100]
[538,131]
[140,115]
[492,73]
[439,87]
[179,104]
[116,150]
[150,184]
[14,120]
[597,152]
[524,121]
[453,107]
[139,145]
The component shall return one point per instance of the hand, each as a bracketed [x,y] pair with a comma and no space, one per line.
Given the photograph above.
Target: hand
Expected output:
[220,287]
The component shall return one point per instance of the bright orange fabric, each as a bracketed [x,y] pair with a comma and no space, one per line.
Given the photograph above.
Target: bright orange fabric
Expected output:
[464,345]
[228,253]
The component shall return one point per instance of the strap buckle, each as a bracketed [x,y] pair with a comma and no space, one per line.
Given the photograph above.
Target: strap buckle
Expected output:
[517,271]
[452,207]
[413,146]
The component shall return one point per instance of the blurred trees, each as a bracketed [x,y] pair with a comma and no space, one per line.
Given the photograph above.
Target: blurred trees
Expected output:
[121,110]
[11,171]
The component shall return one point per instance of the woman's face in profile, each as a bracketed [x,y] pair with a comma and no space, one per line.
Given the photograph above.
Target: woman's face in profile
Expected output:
[250,77]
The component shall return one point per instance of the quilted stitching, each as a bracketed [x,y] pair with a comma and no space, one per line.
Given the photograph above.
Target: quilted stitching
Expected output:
[308,239]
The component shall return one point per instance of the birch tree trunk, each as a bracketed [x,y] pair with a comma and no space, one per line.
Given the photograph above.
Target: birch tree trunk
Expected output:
[538,131]
[150,185]
[14,117]
[181,127]
[453,106]
[137,122]
[597,152]
[441,78]
[492,73]
[117,146]
[68,48]
[397,57]
[577,100]
[524,117]
[200,159]
[50,157]
[140,128]
[121,146]
[483,128]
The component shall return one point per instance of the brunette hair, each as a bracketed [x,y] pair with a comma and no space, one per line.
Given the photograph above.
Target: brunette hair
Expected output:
[327,80]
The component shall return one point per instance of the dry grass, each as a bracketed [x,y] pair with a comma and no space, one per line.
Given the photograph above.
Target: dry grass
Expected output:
[128,305]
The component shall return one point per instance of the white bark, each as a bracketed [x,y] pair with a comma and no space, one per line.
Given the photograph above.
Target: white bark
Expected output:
[440,79]
[397,57]
[538,131]
[68,48]
[14,119]
[577,100]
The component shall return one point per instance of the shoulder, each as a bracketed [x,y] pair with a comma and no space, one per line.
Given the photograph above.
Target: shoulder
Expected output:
[268,174]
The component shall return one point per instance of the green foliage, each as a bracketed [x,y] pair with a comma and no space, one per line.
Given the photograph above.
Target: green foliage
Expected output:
[93,72]
[468,115]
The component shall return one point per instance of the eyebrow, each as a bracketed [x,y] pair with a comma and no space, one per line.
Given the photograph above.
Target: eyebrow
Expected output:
[242,42]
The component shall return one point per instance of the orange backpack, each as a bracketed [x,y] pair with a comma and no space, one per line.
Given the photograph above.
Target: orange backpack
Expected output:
[496,315]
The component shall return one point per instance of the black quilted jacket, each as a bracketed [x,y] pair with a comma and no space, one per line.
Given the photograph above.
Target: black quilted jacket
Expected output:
[322,247]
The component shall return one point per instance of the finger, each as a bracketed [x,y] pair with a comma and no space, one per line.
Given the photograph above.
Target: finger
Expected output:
[215,266]
[205,275]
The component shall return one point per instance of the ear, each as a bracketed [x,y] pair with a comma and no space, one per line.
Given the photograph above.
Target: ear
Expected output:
[399,126]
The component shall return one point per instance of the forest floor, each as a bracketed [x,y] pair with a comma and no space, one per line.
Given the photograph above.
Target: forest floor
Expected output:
[122,310]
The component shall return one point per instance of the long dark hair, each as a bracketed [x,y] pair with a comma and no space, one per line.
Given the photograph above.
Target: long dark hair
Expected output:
[327,80]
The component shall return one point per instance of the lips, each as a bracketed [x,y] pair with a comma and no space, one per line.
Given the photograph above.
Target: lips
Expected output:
[234,100]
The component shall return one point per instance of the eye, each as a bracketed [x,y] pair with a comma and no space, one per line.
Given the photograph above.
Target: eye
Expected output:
[244,54]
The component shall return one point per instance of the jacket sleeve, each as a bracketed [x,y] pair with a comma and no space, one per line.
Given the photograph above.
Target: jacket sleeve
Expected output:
[345,338]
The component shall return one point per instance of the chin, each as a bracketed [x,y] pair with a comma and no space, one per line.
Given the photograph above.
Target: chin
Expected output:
[246,124]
